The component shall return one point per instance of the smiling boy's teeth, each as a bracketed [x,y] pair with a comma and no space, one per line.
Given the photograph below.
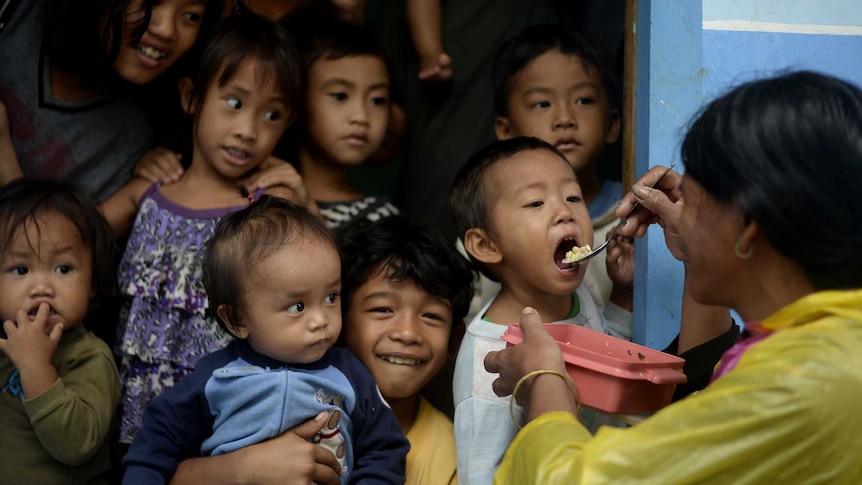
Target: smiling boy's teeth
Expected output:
[399,360]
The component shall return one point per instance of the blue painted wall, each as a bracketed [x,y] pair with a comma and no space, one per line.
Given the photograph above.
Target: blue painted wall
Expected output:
[734,57]
[789,12]
[691,51]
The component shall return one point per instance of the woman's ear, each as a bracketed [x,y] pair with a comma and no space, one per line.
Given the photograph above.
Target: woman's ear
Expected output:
[746,239]
[231,320]
[481,247]
[186,87]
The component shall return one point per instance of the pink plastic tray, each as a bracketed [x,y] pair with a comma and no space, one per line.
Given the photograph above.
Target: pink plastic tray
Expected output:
[612,374]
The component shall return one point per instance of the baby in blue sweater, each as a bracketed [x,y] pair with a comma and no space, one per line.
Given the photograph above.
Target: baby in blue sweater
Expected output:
[273,277]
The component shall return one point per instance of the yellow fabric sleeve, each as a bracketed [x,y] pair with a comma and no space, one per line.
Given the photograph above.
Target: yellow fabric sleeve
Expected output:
[788,413]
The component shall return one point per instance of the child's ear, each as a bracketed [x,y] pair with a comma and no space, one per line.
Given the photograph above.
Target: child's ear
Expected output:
[186,87]
[613,127]
[481,247]
[503,128]
[231,320]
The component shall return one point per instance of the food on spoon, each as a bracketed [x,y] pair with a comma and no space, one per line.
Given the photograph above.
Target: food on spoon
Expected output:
[577,253]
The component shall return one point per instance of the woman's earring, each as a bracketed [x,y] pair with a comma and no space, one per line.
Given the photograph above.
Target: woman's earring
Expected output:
[739,253]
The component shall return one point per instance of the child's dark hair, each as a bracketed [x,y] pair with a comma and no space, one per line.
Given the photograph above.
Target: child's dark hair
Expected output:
[85,37]
[519,51]
[321,34]
[470,196]
[250,37]
[244,238]
[404,251]
[788,152]
[24,201]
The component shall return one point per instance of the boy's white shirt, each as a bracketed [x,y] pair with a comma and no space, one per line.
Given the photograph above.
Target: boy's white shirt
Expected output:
[483,427]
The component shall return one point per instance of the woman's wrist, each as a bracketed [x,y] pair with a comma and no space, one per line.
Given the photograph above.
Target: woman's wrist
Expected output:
[550,393]
[545,390]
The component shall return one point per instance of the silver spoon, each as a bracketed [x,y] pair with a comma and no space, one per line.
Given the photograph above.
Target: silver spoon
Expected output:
[622,221]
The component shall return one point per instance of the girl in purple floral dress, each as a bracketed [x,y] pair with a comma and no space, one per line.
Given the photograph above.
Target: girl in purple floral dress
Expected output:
[242,100]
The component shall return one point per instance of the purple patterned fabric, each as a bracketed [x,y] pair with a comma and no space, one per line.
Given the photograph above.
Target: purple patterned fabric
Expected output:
[163,328]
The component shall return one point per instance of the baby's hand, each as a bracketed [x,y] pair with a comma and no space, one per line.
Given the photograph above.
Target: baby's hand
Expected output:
[30,344]
[438,68]
[620,264]
[160,165]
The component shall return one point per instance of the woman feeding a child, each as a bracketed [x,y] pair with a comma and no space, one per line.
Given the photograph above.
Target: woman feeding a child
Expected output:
[769,227]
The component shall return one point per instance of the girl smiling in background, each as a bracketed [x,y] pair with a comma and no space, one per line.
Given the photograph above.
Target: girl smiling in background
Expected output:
[72,108]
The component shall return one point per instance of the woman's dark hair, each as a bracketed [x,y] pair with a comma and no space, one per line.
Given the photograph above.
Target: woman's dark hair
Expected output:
[404,251]
[788,152]
[84,36]
[516,53]
[250,37]
[246,237]
[470,195]
[24,201]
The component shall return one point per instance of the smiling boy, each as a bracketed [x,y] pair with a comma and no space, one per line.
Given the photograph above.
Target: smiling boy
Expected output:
[405,292]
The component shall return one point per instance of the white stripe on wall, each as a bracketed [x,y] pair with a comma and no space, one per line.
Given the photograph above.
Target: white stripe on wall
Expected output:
[751,26]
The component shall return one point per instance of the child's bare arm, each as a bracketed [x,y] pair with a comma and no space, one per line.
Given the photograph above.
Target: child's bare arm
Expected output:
[122,207]
[424,18]
[10,169]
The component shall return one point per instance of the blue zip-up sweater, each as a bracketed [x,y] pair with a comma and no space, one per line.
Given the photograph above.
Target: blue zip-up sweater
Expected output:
[236,397]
